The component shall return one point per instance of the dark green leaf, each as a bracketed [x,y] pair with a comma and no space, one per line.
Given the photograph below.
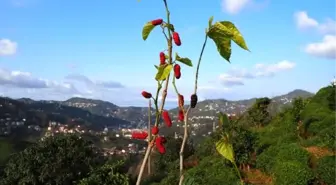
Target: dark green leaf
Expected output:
[185,61]
[146,30]
[163,72]
[223,119]
[237,36]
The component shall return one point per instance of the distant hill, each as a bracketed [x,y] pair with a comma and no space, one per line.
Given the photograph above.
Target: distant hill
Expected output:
[41,112]
[138,116]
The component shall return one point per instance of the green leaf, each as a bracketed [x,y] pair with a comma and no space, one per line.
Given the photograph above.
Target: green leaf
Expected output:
[225,149]
[237,36]
[185,61]
[223,119]
[163,72]
[221,35]
[189,181]
[146,30]
[210,21]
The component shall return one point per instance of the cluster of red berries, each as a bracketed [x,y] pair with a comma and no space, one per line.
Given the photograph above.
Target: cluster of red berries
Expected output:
[159,141]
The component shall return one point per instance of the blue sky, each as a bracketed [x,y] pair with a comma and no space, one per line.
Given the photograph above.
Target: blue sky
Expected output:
[59,49]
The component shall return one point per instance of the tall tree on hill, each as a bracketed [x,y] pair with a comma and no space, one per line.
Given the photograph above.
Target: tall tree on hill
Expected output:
[61,160]
[258,113]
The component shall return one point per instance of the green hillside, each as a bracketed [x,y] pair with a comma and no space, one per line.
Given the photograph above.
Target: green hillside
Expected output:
[296,147]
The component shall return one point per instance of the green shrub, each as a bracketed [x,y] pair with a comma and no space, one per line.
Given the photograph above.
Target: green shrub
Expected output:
[326,169]
[213,171]
[266,160]
[281,153]
[109,173]
[328,138]
[315,123]
[293,152]
[292,173]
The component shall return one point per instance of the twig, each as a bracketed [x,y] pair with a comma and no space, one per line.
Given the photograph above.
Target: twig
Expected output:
[149,134]
[185,137]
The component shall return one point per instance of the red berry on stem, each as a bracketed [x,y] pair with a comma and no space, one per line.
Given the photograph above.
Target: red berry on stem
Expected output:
[155,130]
[180,100]
[143,135]
[156,22]
[146,94]
[180,115]
[162,58]
[166,118]
[177,71]
[176,38]
[163,140]
[162,149]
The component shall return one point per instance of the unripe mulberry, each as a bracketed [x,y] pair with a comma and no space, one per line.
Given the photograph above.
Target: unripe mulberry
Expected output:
[180,115]
[155,130]
[146,94]
[177,71]
[176,39]
[157,22]
[193,101]
[180,100]
[162,58]
[166,118]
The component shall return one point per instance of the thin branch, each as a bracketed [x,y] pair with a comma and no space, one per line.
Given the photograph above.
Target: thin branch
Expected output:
[164,95]
[185,137]
[149,133]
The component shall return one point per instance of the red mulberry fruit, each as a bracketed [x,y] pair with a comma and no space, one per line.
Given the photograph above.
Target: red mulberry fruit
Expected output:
[155,130]
[162,149]
[193,101]
[180,100]
[146,94]
[157,22]
[159,144]
[176,39]
[166,118]
[162,58]
[177,71]
[180,115]
[139,135]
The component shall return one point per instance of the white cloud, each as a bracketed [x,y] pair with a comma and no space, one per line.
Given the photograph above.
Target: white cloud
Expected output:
[25,80]
[325,49]
[303,21]
[236,77]
[234,6]
[7,47]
